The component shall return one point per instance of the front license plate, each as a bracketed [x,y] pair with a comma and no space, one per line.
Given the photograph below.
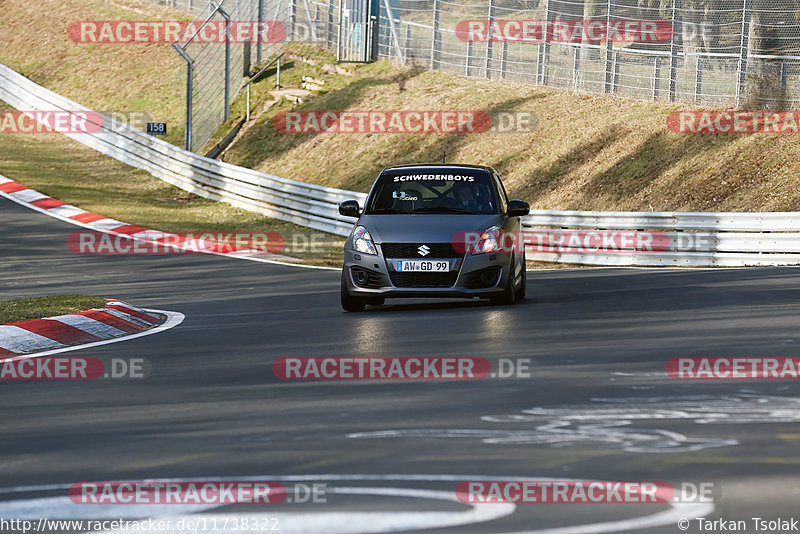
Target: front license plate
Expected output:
[423,266]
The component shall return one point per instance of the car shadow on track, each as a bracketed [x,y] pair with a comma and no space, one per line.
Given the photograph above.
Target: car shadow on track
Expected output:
[445,304]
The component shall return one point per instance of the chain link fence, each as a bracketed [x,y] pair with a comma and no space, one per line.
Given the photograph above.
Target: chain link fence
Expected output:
[728,53]
[742,53]
[218,69]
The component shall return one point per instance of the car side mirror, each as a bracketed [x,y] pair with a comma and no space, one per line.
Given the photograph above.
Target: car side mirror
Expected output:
[349,208]
[518,208]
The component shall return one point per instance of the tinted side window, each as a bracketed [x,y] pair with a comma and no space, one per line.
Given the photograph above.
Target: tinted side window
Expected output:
[501,194]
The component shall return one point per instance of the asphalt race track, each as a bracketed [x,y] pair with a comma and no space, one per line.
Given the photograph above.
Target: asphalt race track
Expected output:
[598,405]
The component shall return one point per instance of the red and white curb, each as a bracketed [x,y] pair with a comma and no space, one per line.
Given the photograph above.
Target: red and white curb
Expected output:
[42,203]
[98,326]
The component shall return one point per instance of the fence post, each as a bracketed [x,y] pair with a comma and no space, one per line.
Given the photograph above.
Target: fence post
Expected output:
[698,79]
[544,49]
[260,15]
[393,32]
[407,44]
[503,59]
[677,36]
[374,32]
[488,65]
[617,61]
[783,74]
[469,57]
[435,44]
[292,18]
[312,26]
[576,64]
[741,75]
[189,75]
[609,46]
[227,18]
[339,33]
[656,77]
[330,24]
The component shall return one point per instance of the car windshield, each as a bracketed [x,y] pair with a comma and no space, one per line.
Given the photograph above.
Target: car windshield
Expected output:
[458,191]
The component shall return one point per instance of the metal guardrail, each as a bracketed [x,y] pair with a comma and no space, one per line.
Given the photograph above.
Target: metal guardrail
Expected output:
[682,239]
[686,239]
[305,204]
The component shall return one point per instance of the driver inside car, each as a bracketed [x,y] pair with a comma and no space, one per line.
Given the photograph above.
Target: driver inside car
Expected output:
[465,197]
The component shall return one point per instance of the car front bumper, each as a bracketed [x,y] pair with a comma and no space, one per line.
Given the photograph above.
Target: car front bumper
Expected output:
[380,283]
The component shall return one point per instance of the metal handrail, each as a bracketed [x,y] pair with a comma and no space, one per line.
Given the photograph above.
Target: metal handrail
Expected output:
[258,74]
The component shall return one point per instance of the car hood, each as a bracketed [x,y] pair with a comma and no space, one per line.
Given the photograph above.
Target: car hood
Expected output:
[425,227]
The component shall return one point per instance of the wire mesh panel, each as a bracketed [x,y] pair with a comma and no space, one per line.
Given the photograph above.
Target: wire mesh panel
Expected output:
[742,53]
[728,53]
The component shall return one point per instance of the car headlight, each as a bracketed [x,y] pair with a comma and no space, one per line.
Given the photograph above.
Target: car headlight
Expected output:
[488,242]
[362,241]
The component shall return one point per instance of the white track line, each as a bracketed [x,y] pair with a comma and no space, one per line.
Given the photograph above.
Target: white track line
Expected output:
[670,517]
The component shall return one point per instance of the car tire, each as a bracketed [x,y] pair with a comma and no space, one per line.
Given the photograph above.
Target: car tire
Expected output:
[508,296]
[523,286]
[349,302]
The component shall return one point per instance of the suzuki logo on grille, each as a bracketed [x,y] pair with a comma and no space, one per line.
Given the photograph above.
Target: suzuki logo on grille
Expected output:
[424,250]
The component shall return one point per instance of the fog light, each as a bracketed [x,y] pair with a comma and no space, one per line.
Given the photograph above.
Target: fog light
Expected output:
[360,277]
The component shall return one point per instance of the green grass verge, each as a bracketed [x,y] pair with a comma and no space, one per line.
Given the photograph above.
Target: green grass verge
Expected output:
[12,311]
[119,77]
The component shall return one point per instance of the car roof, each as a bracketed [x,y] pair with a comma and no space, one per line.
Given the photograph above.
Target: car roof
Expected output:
[440,166]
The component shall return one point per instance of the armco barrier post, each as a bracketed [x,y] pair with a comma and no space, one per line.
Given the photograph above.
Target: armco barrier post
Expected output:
[189,74]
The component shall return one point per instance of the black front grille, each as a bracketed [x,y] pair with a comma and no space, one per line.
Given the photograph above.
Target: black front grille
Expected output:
[374,279]
[411,250]
[424,279]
